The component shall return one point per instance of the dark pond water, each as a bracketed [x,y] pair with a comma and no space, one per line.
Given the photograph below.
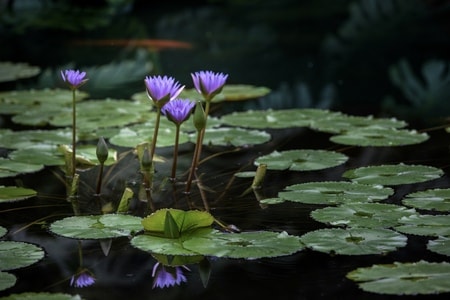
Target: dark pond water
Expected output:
[310,53]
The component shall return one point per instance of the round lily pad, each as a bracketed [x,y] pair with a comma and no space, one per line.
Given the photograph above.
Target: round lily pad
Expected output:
[302,160]
[427,225]
[7,280]
[380,137]
[230,136]
[440,245]
[334,192]
[433,199]
[393,174]
[97,226]
[354,241]
[41,296]
[249,245]
[416,278]
[14,193]
[15,255]
[369,215]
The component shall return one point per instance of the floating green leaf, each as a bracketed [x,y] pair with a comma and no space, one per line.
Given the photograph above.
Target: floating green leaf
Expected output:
[15,255]
[302,160]
[41,296]
[233,137]
[3,231]
[230,92]
[369,215]
[29,138]
[342,123]
[393,174]
[440,245]
[10,71]
[417,278]
[433,199]
[189,220]
[14,193]
[354,241]
[45,154]
[7,280]
[11,168]
[97,226]
[276,119]
[334,192]
[380,137]
[428,225]
[249,245]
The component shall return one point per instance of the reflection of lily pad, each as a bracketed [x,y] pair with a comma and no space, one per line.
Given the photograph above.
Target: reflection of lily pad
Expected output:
[15,255]
[233,137]
[440,245]
[370,215]
[418,278]
[429,225]
[302,160]
[97,226]
[10,168]
[41,296]
[276,119]
[12,71]
[375,136]
[7,280]
[249,245]
[354,241]
[14,193]
[433,199]
[341,123]
[393,174]
[334,192]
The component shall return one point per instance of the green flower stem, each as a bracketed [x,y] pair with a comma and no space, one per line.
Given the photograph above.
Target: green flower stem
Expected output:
[99,180]
[155,133]
[202,133]
[194,162]
[74,133]
[175,152]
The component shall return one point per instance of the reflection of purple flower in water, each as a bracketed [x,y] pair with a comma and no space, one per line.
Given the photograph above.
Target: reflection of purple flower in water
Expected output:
[166,276]
[82,279]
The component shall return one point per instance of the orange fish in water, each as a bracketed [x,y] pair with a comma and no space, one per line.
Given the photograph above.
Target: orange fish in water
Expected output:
[154,45]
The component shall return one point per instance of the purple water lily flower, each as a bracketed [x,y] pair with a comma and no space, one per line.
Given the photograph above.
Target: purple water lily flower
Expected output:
[167,276]
[82,279]
[209,83]
[74,78]
[162,89]
[178,110]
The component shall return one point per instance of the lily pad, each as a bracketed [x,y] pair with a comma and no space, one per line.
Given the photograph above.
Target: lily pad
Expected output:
[342,123]
[237,137]
[393,174]
[11,168]
[275,119]
[7,280]
[97,226]
[230,92]
[45,154]
[248,245]
[334,192]
[380,137]
[15,255]
[433,199]
[10,71]
[3,231]
[302,160]
[41,296]
[440,245]
[14,193]
[417,278]
[369,215]
[427,225]
[354,241]
[28,138]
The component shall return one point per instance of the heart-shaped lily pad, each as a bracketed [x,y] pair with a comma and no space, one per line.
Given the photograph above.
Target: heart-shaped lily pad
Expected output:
[417,278]
[97,226]
[354,241]
[393,174]
[428,225]
[302,160]
[433,199]
[15,255]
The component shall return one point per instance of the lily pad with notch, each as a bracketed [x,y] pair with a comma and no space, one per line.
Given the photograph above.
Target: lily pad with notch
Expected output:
[432,199]
[368,215]
[354,241]
[301,160]
[334,192]
[393,174]
[410,278]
